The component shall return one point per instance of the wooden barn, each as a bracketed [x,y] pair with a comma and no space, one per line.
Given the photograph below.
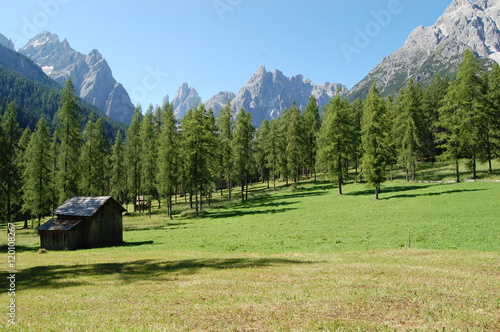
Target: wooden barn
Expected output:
[82,223]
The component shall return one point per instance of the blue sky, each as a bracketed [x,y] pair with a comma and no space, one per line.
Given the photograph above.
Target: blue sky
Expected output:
[153,46]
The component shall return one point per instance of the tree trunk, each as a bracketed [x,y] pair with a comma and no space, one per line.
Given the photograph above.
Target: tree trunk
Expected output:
[474,167]
[457,169]
[377,191]
[196,204]
[413,171]
[340,185]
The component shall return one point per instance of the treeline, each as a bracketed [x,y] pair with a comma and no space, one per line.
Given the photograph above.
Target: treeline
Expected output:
[161,158]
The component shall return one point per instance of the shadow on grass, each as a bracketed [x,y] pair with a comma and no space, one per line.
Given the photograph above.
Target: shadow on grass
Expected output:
[18,249]
[396,189]
[239,213]
[61,276]
[409,188]
[135,244]
[457,191]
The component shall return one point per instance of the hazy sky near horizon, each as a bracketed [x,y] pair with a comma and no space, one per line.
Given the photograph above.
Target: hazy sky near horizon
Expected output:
[153,46]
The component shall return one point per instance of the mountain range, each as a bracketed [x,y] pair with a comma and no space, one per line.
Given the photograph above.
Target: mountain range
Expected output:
[438,49]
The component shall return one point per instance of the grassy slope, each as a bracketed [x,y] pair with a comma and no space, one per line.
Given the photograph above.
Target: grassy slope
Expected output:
[299,259]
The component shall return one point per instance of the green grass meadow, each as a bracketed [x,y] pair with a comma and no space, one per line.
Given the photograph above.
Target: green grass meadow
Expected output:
[426,257]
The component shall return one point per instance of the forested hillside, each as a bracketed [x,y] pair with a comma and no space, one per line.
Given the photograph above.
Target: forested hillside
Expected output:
[35,100]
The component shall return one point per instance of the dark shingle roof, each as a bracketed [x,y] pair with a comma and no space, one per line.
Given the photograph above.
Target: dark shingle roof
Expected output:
[81,206]
[59,225]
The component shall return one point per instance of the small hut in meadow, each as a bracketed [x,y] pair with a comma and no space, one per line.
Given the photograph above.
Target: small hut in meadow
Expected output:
[82,223]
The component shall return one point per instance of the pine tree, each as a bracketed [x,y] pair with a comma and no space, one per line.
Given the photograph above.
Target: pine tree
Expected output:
[225,125]
[241,146]
[312,124]
[407,127]
[373,137]
[118,182]
[168,170]
[37,174]
[10,174]
[69,135]
[335,139]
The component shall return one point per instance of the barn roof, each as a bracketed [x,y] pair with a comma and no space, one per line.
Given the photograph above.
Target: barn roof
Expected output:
[83,206]
[59,225]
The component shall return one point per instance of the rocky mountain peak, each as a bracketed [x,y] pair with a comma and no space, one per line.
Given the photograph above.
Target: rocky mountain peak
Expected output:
[438,49]
[267,94]
[90,73]
[185,99]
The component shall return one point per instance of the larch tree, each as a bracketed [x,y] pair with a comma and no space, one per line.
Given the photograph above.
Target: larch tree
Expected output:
[225,125]
[118,181]
[433,95]
[133,156]
[271,151]
[241,147]
[373,137]
[149,154]
[37,185]
[21,162]
[407,127]
[335,139]
[168,157]
[312,124]
[469,90]
[199,155]
[493,113]
[449,131]
[69,135]
[10,173]
[262,139]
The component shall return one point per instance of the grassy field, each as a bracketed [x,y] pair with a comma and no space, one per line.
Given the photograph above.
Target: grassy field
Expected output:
[426,257]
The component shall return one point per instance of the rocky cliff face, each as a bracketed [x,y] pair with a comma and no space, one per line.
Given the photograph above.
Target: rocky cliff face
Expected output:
[91,74]
[438,49]
[267,94]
